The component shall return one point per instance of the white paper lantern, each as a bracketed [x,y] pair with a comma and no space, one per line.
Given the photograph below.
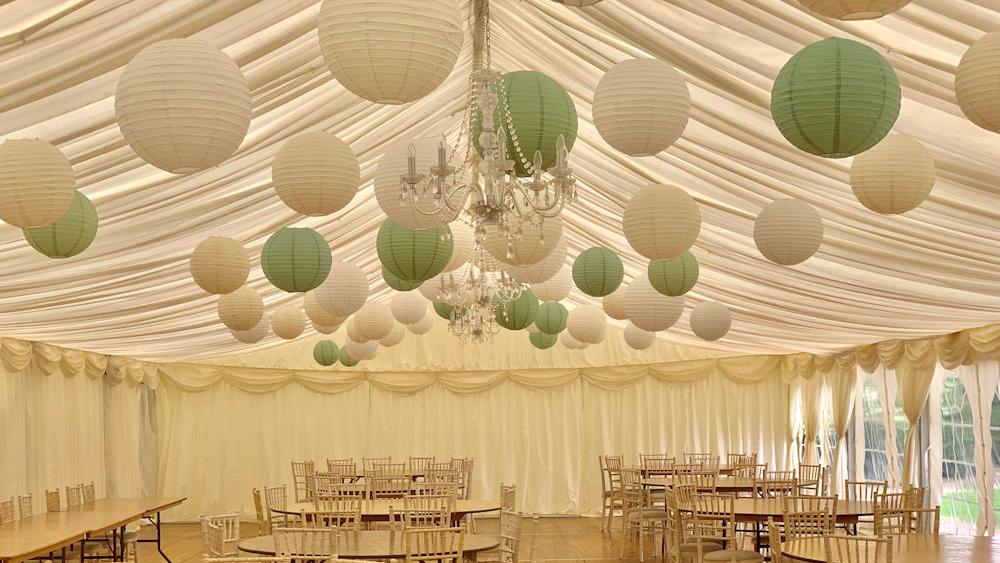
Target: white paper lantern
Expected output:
[614,304]
[649,309]
[408,307]
[288,322]
[894,176]
[641,106]
[390,52]
[710,320]
[849,10]
[638,339]
[391,166]
[568,341]
[555,288]
[661,221]
[344,291]
[255,334]
[530,246]
[325,329]
[354,332]
[220,265]
[394,337]
[788,231]
[317,314]
[423,326]
[362,350]
[977,82]
[183,105]
[463,238]
[241,309]
[540,271]
[37,184]
[587,324]
[316,173]
[374,321]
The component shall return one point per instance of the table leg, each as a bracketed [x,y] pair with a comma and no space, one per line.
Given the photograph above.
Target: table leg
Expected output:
[159,547]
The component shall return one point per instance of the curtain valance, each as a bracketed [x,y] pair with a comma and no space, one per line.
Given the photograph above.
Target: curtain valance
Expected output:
[47,359]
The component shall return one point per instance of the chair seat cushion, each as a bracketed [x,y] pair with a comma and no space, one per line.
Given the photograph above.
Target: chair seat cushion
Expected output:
[646,514]
[730,554]
[692,547]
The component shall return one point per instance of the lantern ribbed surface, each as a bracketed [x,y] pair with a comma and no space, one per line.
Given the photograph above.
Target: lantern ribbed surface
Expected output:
[534,243]
[395,282]
[354,332]
[70,234]
[710,320]
[850,10]
[374,321]
[296,259]
[316,173]
[183,105]
[463,237]
[543,341]
[637,338]
[641,106]
[977,82]
[551,317]
[788,231]
[391,166]
[288,322]
[661,221]
[408,308]
[346,359]
[37,184]
[220,265]
[587,324]
[835,98]
[555,288]
[362,350]
[598,271]
[518,313]
[326,352]
[893,177]
[394,337]
[568,341]
[390,51]
[255,334]
[324,329]
[614,304]
[317,314]
[344,291]
[540,109]
[241,309]
[443,310]
[413,255]
[649,309]
[423,326]
[543,270]
[673,277]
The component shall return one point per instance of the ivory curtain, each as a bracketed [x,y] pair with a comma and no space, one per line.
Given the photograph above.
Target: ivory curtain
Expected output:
[843,391]
[980,381]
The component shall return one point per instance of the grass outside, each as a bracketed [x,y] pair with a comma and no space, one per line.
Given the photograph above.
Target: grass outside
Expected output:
[963,505]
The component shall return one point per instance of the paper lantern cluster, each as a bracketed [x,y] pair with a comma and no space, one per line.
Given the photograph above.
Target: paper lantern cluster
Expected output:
[288,322]
[674,277]
[326,352]
[316,173]
[614,304]
[408,308]
[344,291]
[68,235]
[598,271]
[893,177]
[37,184]
[542,341]
[977,82]
[788,231]
[849,10]
[345,358]
[255,334]
[220,265]
[296,260]
[362,350]
[518,313]
[318,315]
[587,324]
[241,309]
[649,309]
[661,221]
[551,317]
[710,320]
[543,270]
[555,288]
[637,338]
[397,283]
[414,255]
[374,321]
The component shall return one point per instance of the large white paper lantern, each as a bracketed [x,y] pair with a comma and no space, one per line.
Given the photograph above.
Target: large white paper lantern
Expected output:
[540,271]
[317,314]
[614,304]
[850,10]
[423,326]
[316,173]
[374,321]
[587,324]
[390,52]
[344,291]
[220,265]
[555,288]
[255,334]
[183,105]
[569,341]
[649,309]
[529,246]
[394,337]
[354,332]
[37,184]
[288,322]
[894,176]
[391,166]
[241,309]
[661,221]
[641,106]
[977,82]
[710,320]
[362,350]
[408,307]
[463,237]
[637,338]
[325,329]
[788,231]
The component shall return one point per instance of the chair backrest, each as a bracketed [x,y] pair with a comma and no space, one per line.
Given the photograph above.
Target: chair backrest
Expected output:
[808,524]
[302,473]
[754,471]
[775,488]
[510,536]
[276,497]
[611,473]
[858,549]
[419,465]
[916,496]
[863,491]
[338,512]
[324,482]
[220,534]
[7,513]
[383,469]
[368,463]
[707,461]
[388,486]
[52,502]
[632,493]
[712,520]
[925,521]
[703,482]
[683,494]
[25,505]
[892,515]
[809,503]
[305,544]
[780,476]
[448,488]
[464,467]
[508,497]
[263,521]
[359,490]
[74,496]
[89,494]
[774,534]
[443,545]
[656,464]
[427,511]
[345,467]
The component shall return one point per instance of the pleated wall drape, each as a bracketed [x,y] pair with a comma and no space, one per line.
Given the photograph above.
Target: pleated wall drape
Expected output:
[843,385]
[980,381]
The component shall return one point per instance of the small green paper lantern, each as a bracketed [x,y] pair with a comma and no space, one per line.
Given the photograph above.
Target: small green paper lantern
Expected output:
[346,358]
[551,317]
[541,111]
[674,277]
[598,271]
[296,260]
[70,234]
[542,341]
[398,283]
[326,352]
[835,98]
[443,310]
[412,255]
[519,313]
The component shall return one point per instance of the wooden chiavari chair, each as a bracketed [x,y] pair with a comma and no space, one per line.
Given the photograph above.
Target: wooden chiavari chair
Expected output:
[305,544]
[446,488]
[808,524]
[389,486]
[713,521]
[656,464]
[774,532]
[640,518]
[925,521]
[611,480]
[343,513]
[418,465]
[916,497]
[863,491]
[368,463]
[508,498]
[276,498]
[427,511]
[780,476]
[858,549]
[74,497]
[263,520]
[7,513]
[52,502]
[510,539]
[25,505]
[324,482]
[755,472]
[389,469]
[703,481]
[740,460]
[892,514]
[302,472]
[221,534]
[679,545]
[441,545]
[339,490]
[89,495]
[811,479]
[774,488]
[809,503]
[706,461]
[464,467]
[346,467]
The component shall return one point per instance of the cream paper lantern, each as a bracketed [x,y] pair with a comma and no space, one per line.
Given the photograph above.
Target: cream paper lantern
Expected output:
[317,314]
[391,166]
[641,106]
[344,291]
[374,321]
[710,320]
[614,304]
[788,231]
[362,350]
[661,221]
[587,324]
[37,184]
[638,339]
[894,176]
[569,341]
[977,82]
[394,337]
[408,307]
[423,326]
[463,237]
[541,271]
[241,309]
[288,322]
[325,329]
[354,332]
[555,288]
[220,265]
[255,334]
[850,10]
[183,105]
[649,309]
[528,246]
[316,173]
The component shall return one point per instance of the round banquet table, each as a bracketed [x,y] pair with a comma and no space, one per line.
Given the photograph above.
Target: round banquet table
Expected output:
[759,510]
[909,549]
[722,484]
[378,509]
[371,545]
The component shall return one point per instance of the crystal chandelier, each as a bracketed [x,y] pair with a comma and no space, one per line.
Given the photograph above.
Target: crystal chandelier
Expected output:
[485,192]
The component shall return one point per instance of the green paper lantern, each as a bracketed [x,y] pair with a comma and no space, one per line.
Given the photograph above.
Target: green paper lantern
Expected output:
[674,277]
[70,234]
[542,341]
[412,255]
[551,317]
[296,260]
[541,111]
[519,313]
[598,271]
[444,310]
[326,352]
[397,283]
[346,358]
[835,98]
